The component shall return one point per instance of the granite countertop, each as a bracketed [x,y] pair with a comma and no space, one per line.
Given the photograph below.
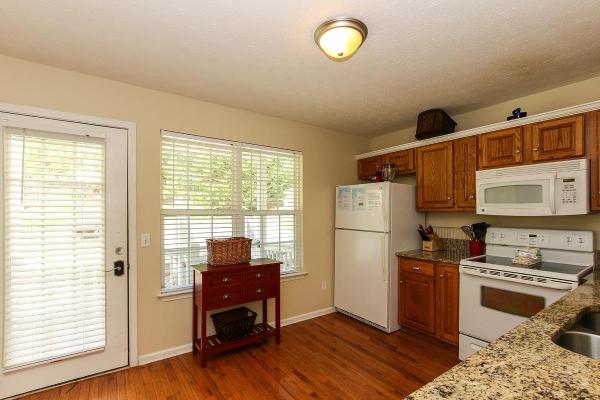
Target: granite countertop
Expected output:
[445,256]
[525,363]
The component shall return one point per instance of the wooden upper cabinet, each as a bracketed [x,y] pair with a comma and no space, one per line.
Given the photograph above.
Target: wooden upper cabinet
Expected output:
[447,292]
[416,301]
[435,187]
[404,160]
[592,137]
[557,139]
[368,167]
[465,165]
[501,149]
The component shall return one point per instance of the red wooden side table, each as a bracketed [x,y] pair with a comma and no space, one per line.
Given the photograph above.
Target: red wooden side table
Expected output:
[217,287]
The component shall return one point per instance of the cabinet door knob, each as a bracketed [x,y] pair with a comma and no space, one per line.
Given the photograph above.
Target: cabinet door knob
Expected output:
[442,275]
[226,279]
[449,197]
[259,275]
[472,196]
[401,281]
[415,268]
[517,151]
[535,149]
[259,290]
[226,296]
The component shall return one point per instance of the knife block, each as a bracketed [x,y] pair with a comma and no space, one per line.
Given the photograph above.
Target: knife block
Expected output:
[434,243]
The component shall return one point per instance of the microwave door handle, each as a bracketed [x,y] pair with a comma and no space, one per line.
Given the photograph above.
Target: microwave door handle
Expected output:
[552,195]
[551,285]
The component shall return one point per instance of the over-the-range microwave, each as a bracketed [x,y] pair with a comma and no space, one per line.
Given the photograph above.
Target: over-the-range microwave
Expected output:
[553,188]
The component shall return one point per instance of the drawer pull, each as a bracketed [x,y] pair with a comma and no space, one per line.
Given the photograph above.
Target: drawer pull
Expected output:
[259,290]
[415,268]
[259,275]
[226,279]
[226,296]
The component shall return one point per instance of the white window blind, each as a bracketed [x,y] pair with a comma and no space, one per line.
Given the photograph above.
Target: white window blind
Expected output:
[213,188]
[53,246]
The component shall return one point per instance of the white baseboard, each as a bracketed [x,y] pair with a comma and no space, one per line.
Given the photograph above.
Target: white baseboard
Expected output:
[187,348]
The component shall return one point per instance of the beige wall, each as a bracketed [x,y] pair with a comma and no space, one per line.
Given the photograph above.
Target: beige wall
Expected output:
[328,160]
[564,96]
[570,95]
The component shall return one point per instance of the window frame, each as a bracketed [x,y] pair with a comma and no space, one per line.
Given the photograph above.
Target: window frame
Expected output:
[238,213]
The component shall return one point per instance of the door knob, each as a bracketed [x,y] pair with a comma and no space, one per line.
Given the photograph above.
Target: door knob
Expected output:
[118,268]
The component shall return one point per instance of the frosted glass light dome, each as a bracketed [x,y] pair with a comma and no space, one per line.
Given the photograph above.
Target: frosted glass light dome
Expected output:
[340,38]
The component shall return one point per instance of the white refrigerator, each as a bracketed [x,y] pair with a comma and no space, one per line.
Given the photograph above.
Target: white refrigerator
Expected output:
[372,222]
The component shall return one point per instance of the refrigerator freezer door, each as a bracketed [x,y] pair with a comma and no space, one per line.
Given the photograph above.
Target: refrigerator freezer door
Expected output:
[363,207]
[362,274]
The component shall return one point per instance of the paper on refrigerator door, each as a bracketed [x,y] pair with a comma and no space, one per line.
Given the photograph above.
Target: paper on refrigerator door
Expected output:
[344,199]
[359,199]
[374,199]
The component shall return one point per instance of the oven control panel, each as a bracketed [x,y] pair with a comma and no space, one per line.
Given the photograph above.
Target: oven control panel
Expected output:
[543,238]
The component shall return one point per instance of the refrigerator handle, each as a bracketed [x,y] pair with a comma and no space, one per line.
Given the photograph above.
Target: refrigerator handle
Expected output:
[384,258]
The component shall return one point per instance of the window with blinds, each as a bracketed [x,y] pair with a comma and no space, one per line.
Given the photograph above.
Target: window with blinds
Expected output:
[54,303]
[214,189]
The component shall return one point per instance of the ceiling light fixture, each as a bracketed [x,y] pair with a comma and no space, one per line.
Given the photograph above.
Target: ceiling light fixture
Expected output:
[339,38]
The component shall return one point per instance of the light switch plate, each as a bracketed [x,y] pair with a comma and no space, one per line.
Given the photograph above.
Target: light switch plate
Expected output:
[145,240]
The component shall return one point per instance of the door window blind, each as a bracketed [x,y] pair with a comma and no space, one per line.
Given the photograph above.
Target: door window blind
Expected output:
[214,189]
[54,187]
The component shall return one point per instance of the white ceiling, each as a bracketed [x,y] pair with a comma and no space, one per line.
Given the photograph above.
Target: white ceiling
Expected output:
[260,55]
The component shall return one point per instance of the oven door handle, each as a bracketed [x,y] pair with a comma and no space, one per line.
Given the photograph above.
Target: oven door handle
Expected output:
[551,285]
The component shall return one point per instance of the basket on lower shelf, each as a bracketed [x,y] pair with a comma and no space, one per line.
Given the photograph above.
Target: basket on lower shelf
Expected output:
[235,250]
[232,324]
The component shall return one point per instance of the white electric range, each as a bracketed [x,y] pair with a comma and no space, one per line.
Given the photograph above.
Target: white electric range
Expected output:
[497,295]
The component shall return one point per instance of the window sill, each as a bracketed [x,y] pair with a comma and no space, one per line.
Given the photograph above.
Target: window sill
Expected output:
[175,295]
[293,276]
[187,293]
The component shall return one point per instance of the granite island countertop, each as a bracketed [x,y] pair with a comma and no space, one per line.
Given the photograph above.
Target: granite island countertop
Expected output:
[525,363]
[445,256]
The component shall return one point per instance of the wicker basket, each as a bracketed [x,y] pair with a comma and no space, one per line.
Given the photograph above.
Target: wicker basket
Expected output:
[235,250]
[235,323]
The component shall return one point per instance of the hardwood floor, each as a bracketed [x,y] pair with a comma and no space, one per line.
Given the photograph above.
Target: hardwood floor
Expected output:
[331,357]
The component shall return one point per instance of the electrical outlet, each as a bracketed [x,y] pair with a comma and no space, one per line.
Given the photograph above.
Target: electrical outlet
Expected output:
[145,240]
[323,285]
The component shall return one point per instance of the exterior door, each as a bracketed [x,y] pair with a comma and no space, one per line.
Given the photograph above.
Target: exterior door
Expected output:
[64,228]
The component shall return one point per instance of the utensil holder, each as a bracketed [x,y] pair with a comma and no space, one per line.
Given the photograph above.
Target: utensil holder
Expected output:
[433,244]
[476,247]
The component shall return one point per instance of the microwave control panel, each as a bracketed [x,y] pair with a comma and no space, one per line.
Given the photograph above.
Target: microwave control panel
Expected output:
[567,189]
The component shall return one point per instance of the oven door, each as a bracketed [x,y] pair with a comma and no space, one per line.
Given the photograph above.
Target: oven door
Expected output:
[517,195]
[492,302]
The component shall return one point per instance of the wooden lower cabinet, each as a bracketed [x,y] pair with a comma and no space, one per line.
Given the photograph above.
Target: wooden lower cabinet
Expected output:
[428,301]
[447,302]
[417,301]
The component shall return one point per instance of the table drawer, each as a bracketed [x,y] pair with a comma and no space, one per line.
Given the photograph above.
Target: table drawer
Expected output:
[417,266]
[259,276]
[223,297]
[223,279]
[258,292]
